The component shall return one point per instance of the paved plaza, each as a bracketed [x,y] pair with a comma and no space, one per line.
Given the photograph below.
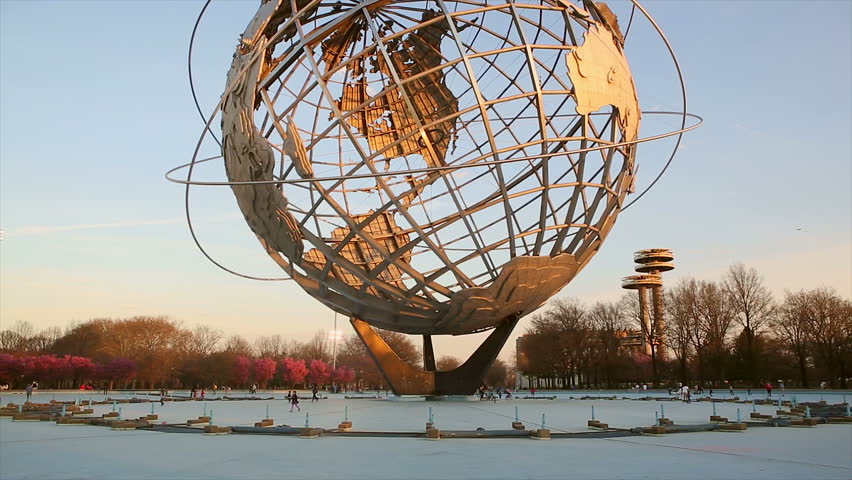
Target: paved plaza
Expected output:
[45,450]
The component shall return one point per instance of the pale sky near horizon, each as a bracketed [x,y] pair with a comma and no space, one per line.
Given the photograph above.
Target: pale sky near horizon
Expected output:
[95,106]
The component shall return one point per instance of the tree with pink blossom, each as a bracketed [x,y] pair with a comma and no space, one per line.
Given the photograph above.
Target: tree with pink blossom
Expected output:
[264,370]
[343,375]
[293,371]
[320,372]
[11,369]
[242,370]
[118,371]
[84,368]
[43,368]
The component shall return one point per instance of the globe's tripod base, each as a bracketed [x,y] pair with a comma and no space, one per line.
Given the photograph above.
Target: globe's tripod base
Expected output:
[407,380]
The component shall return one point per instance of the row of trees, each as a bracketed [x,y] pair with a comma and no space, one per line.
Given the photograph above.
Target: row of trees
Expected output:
[730,330]
[65,371]
[155,352]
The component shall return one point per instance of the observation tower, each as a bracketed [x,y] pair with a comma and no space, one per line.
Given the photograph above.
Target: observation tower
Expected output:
[650,264]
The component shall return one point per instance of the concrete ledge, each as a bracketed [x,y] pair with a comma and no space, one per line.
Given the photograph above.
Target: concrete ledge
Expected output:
[839,419]
[309,432]
[267,430]
[215,430]
[485,433]
[200,421]
[73,421]
[596,424]
[124,425]
[655,430]
[732,427]
[31,417]
[804,422]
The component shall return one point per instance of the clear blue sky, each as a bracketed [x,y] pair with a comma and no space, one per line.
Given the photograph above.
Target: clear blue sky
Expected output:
[95,107]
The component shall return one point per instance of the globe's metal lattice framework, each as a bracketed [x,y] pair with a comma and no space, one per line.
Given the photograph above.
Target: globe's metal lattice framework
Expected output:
[431,167]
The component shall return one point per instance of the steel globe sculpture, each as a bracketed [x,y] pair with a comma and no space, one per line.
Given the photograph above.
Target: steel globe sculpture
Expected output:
[432,168]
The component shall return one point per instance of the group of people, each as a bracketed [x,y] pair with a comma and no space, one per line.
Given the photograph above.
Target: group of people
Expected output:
[685,394]
[194,393]
[489,394]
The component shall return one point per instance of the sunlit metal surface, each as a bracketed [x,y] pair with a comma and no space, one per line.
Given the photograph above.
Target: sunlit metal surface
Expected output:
[432,167]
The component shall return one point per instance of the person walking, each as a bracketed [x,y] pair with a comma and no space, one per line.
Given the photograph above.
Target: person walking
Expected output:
[29,391]
[731,390]
[294,402]
[314,391]
[768,389]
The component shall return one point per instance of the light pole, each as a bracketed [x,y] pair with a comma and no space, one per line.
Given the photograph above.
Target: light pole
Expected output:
[334,335]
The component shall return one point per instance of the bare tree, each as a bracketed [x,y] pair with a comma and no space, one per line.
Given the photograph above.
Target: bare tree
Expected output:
[791,326]
[239,346]
[272,346]
[716,314]
[18,338]
[44,340]
[496,374]
[680,314]
[753,304]
[88,339]
[23,329]
[447,363]
[9,341]
[608,320]
[828,318]
[566,324]
[317,348]
[204,340]
[686,296]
